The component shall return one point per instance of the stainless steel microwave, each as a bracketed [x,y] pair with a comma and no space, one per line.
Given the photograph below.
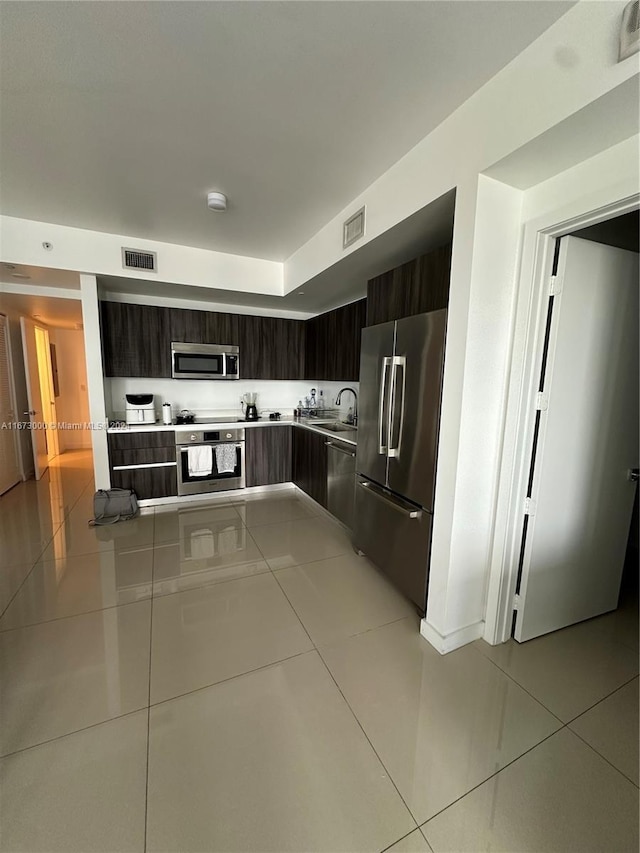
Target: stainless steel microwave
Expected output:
[204,361]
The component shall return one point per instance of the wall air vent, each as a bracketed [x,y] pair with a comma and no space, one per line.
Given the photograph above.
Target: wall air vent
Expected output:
[353,228]
[134,259]
[630,30]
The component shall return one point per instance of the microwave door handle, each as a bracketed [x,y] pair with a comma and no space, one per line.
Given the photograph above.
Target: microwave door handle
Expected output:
[399,363]
[382,443]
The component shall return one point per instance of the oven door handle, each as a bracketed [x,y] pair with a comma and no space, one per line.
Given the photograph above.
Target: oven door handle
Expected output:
[184,447]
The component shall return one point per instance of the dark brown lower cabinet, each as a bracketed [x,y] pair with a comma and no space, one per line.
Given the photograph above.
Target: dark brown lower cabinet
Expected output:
[267,455]
[309,464]
[147,482]
[144,448]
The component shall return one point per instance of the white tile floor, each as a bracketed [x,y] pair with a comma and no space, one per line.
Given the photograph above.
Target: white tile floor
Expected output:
[232,677]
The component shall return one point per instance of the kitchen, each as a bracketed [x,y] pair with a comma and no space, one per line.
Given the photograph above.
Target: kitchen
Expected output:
[223,671]
[182,425]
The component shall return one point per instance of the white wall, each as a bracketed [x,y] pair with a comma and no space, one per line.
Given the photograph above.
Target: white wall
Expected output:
[476,364]
[72,404]
[100,253]
[95,380]
[602,182]
[572,64]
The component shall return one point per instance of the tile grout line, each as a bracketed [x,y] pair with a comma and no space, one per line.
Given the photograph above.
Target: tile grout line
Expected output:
[488,779]
[74,732]
[540,702]
[75,615]
[517,683]
[344,698]
[398,840]
[231,678]
[375,751]
[157,704]
[603,757]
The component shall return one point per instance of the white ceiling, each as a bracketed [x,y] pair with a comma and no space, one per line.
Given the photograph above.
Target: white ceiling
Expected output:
[344,282]
[53,312]
[41,276]
[119,117]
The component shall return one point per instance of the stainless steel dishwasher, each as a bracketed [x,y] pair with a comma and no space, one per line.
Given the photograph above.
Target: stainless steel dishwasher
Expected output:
[341,480]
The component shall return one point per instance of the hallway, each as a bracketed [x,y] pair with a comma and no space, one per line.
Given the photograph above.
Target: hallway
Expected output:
[229,676]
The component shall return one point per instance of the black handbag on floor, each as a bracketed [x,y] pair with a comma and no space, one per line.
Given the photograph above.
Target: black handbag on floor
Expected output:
[112,505]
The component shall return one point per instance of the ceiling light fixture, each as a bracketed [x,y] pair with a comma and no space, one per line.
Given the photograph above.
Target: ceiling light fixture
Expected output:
[216,201]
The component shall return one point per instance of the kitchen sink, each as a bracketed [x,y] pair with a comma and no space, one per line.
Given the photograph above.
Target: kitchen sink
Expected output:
[338,427]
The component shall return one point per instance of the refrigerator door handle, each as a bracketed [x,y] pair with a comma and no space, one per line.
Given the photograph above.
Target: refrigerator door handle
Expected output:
[409,511]
[382,443]
[398,362]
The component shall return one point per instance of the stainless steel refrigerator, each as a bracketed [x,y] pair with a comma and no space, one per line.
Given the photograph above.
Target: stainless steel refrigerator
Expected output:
[401,369]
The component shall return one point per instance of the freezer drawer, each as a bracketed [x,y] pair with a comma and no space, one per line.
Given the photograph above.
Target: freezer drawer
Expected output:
[395,536]
[341,480]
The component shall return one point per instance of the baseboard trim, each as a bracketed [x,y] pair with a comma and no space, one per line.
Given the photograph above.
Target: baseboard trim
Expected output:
[444,643]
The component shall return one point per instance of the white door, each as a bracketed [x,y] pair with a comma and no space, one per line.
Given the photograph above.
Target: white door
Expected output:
[582,498]
[36,413]
[9,465]
[45,369]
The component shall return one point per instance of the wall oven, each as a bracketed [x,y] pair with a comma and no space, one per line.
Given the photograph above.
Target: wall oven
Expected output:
[204,361]
[215,463]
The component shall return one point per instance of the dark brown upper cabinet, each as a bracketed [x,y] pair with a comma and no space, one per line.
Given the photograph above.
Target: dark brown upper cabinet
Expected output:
[204,327]
[271,348]
[415,287]
[135,340]
[333,343]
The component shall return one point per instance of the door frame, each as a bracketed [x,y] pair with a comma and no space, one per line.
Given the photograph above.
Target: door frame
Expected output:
[13,399]
[528,332]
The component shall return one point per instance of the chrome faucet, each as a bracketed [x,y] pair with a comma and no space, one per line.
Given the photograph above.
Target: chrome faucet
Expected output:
[355,404]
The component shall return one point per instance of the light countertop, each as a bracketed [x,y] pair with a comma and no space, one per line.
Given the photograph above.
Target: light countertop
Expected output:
[314,425]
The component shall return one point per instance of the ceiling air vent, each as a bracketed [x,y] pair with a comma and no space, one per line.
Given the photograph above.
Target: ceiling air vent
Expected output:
[134,259]
[353,228]
[630,30]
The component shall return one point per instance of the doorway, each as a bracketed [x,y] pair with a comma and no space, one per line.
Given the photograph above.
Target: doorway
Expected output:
[10,467]
[580,484]
[49,375]
[527,447]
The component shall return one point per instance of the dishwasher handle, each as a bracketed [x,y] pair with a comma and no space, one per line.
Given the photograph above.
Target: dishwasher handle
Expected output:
[339,449]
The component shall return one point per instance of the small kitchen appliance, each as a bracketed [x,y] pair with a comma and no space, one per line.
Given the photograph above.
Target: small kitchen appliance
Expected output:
[140,409]
[204,361]
[185,417]
[249,407]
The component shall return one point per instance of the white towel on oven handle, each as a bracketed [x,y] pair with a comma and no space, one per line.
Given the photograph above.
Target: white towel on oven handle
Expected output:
[226,458]
[200,460]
